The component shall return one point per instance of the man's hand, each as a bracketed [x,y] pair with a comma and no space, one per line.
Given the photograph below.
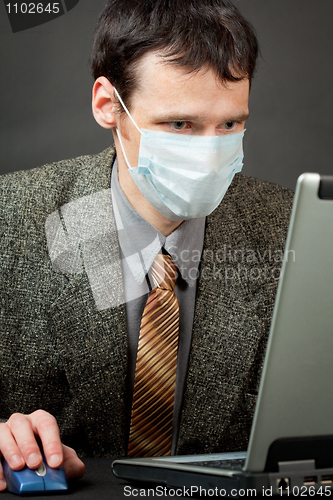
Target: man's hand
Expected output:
[18,445]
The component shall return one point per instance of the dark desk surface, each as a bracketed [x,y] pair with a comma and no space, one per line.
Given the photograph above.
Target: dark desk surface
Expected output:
[98,483]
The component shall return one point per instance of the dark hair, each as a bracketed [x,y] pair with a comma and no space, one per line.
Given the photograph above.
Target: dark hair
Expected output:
[191,33]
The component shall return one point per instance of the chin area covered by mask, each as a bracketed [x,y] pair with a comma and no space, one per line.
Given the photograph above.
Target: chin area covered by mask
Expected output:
[185,176]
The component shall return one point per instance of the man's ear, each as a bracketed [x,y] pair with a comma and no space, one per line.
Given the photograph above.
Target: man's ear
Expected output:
[104,104]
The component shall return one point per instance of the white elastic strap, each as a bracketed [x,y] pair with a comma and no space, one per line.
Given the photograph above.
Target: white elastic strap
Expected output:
[123,105]
[123,150]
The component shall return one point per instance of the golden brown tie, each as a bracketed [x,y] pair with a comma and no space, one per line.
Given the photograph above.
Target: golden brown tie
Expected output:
[155,373]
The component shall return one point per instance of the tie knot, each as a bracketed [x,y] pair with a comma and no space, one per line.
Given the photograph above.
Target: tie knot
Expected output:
[164,272]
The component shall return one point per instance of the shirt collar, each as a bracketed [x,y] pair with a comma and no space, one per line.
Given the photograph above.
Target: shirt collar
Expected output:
[140,242]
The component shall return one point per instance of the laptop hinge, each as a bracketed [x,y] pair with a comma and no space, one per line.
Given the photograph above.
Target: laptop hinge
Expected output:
[325,191]
[296,465]
[317,449]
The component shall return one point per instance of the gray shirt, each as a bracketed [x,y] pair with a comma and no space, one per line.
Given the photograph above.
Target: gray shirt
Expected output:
[139,243]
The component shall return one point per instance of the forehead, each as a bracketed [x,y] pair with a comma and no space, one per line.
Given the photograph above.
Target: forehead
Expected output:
[163,85]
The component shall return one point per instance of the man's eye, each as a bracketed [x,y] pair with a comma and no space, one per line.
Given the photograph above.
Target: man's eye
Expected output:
[230,125]
[178,125]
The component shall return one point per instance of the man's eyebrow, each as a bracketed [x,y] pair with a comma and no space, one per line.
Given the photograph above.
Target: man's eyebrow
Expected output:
[242,117]
[165,117]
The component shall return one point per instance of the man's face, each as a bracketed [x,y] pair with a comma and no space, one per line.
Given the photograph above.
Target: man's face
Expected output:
[170,100]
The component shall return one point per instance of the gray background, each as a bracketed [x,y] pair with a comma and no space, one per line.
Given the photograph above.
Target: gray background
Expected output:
[45,90]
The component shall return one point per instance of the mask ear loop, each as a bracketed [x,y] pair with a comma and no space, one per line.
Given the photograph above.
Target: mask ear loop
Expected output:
[128,113]
[118,131]
[123,150]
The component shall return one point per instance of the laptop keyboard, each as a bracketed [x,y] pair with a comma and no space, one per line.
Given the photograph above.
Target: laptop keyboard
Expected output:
[231,464]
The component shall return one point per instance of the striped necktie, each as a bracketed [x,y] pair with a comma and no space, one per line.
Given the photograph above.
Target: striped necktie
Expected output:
[155,373]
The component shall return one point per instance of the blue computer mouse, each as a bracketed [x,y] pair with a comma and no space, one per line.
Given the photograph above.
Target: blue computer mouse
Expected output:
[27,480]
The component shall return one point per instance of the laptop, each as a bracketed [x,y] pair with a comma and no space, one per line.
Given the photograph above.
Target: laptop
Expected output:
[290,450]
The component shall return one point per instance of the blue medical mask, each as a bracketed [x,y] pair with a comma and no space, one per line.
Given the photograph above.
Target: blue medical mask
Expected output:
[185,176]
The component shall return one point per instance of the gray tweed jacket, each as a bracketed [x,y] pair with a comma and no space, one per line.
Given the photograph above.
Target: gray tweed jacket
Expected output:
[60,353]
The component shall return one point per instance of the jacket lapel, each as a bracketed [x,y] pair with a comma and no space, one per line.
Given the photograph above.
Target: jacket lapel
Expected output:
[93,346]
[89,317]
[226,333]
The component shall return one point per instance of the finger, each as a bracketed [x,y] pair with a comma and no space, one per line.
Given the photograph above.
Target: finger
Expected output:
[9,448]
[74,467]
[3,484]
[46,427]
[26,445]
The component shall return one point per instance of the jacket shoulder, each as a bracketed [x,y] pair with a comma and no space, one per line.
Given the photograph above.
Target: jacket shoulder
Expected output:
[258,196]
[253,209]
[57,183]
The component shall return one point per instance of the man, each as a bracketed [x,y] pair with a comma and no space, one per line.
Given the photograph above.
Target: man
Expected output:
[172,82]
